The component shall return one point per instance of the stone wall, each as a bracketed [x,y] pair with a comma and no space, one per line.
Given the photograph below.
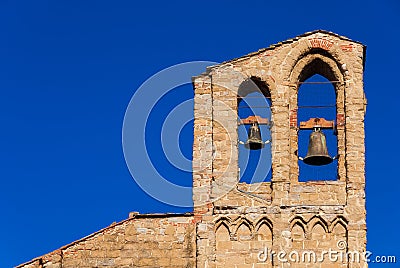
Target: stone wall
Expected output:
[141,241]
[313,215]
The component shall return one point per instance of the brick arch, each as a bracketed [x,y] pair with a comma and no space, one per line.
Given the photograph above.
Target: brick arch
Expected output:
[303,49]
[338,220]
[261,233]
[238,76]
[299,221]
[223,230]
[263,220]
[242,220]
[298,234]
[318,232]
[266,78]
[317,220]
[222,233]
[223,220]
[339,225]
[322,63]
[317,61]
[254,84]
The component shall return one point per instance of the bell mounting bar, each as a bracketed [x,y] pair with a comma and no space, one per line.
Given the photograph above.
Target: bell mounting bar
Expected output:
[254,119]
[321,123]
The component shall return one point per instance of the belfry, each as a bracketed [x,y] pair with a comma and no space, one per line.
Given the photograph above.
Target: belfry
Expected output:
[235,220]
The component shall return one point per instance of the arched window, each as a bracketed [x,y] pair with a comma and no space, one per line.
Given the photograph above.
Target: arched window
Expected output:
[254,99]
[317,99]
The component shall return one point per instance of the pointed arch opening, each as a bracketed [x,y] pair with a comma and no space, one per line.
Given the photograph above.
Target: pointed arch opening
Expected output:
[297,235]
[222,232]
[254,100]
[317,99]
[320,95]
[264,230]
[243,232]
[318,232]
[298,230]
[339,229]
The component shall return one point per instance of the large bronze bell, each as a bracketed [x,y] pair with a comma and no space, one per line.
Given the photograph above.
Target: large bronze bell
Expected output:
[317,154]
[254,141]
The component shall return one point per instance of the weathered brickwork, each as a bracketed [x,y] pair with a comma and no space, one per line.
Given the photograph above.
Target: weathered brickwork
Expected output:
[141,241]
[235,223]
[313,215]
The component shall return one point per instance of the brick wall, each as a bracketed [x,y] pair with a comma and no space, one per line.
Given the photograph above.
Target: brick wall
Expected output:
[144,241]
[314,215]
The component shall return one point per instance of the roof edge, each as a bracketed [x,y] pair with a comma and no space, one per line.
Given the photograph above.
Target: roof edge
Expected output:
[287,41]
[132,217]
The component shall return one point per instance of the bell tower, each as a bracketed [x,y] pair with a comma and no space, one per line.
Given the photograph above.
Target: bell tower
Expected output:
[281,221]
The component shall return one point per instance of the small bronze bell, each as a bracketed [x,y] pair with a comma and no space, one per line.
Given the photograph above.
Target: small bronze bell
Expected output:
[317,154]
[254,141]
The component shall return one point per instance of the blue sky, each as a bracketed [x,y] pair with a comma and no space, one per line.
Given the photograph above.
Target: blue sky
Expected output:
[68,70]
